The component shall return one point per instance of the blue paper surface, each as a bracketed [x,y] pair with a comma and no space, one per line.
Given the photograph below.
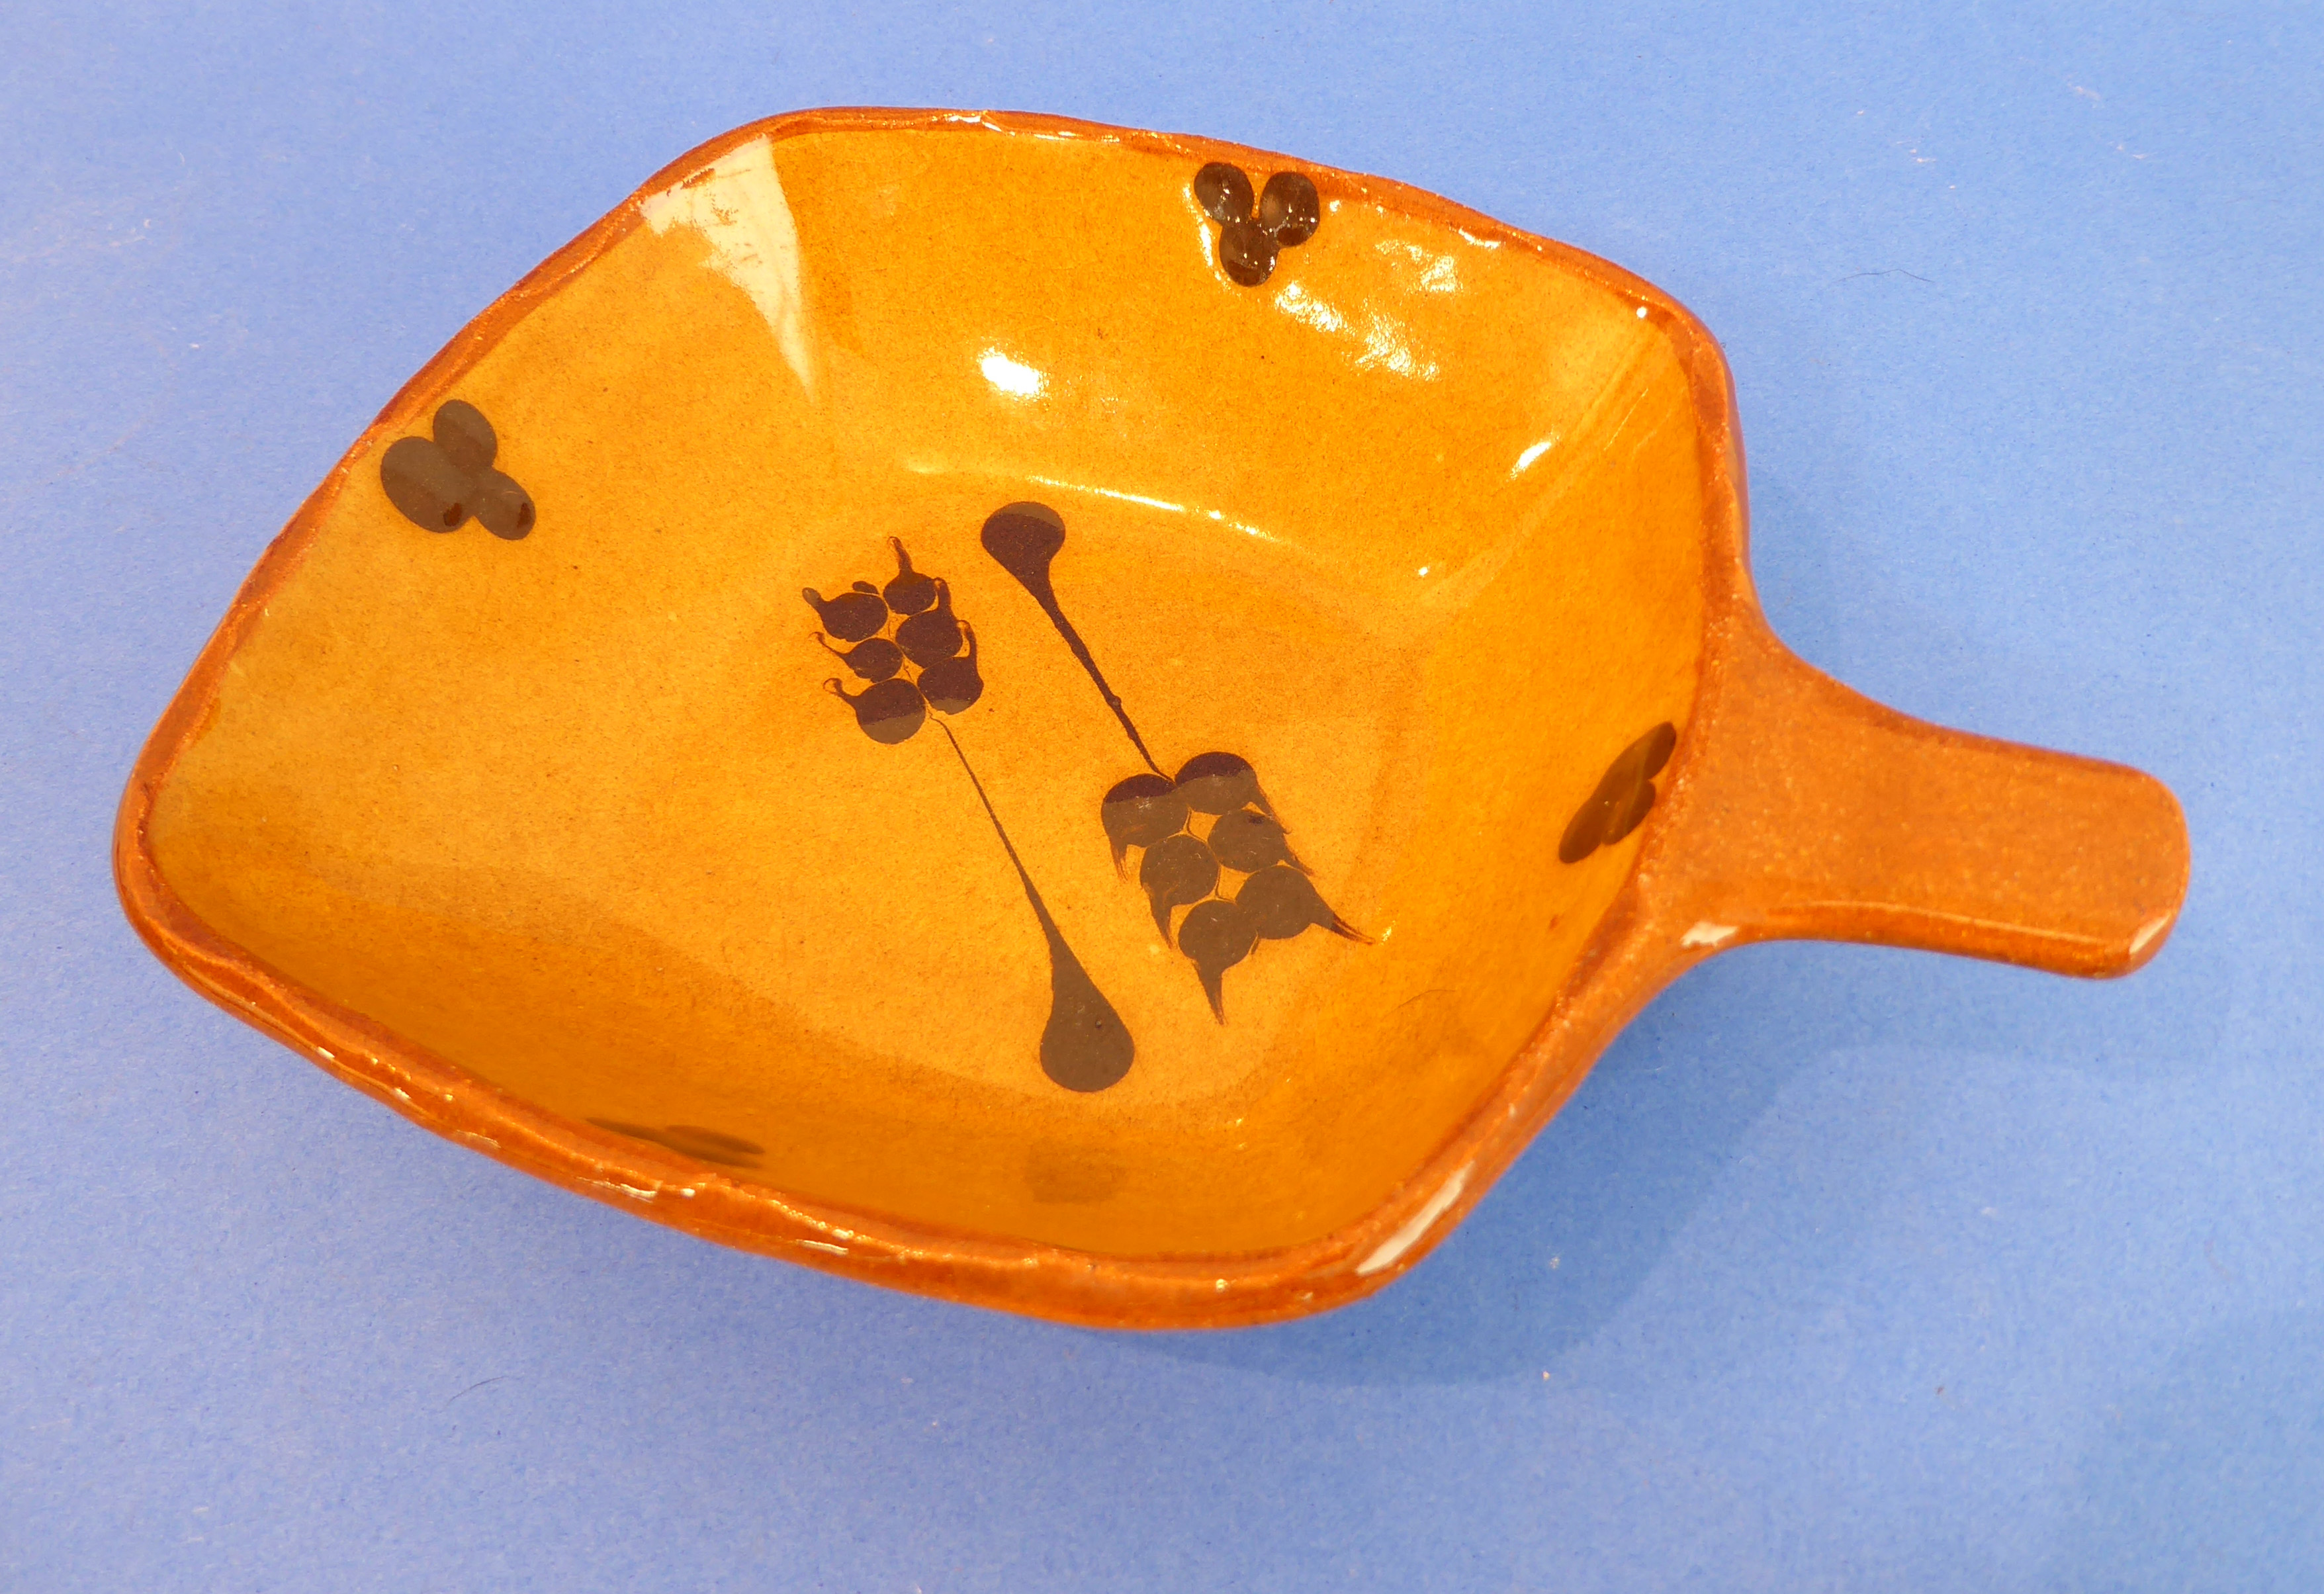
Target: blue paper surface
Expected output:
[1847,1269]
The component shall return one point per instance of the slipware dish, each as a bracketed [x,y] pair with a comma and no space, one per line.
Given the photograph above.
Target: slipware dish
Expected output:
[1091,722]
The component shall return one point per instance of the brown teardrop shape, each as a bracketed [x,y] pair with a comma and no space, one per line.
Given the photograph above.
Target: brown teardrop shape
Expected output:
[951,684]
[851,616]
[424,484]
[1220,783]
[1177,869]
[1282,903]
[1246,253]
[1223,192]
[1247,841]
[465,435]
[932,636]
[910,592]
[1217,935]
[889,711]
[1289,209]
[501,507]
[873,660]
[1139,812]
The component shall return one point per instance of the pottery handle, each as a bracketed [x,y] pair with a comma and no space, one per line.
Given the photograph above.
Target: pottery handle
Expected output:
[1818,815]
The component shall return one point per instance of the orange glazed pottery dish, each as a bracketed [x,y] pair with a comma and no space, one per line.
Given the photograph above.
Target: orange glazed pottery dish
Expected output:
[1094,722]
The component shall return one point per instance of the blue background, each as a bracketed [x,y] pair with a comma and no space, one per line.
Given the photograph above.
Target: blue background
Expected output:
[1847,1269]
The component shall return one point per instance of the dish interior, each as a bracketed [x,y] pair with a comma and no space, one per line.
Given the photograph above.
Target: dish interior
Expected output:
[1412,528]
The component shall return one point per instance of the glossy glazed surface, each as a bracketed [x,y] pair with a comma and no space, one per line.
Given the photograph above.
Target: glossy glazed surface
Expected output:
[1414,527]
[1433,530]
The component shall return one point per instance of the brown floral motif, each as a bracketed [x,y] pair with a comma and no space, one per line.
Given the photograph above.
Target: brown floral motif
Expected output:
[438,483]
[1624,796]
[906,643]
[1288,212]
[1211,821]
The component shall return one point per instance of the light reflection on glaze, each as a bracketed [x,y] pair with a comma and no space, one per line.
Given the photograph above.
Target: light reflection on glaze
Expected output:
[1294,301]
[1387,345]
[1013,377]
[1387,342]
[1439,273]
[1525,459]
[738,206]
[1161,503]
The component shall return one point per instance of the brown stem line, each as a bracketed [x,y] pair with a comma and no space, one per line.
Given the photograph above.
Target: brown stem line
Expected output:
[1032,894]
